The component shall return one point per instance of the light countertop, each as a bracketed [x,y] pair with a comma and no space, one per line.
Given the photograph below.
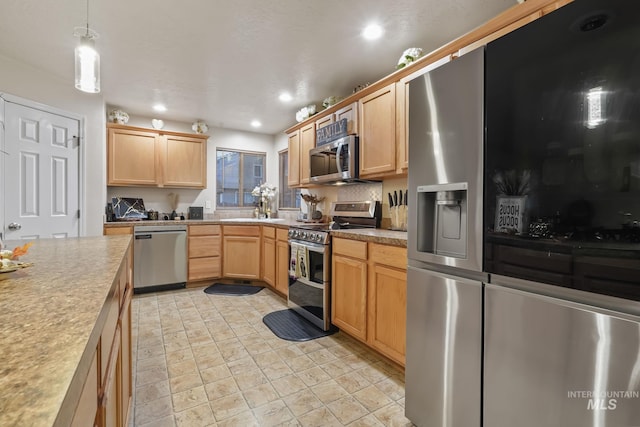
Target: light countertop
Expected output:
[50,324]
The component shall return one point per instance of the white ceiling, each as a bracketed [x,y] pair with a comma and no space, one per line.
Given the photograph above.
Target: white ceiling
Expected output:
[226,61]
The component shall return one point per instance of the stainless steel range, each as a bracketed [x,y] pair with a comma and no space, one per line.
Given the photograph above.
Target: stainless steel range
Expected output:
[310,260]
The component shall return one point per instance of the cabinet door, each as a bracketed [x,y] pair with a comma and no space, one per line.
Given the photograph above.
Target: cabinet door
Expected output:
[324,121]
[402,126]
[387,308]
[282,267]
[113,231]
[377,115]
[307,142]
[185,161]
[349,295]
[269,261]
[350,112]
[204,268]
[126,390]
[241,257]
[294,159]
[133,157]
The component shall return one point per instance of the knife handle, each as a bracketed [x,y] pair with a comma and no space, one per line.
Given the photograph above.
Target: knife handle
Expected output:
[390,200]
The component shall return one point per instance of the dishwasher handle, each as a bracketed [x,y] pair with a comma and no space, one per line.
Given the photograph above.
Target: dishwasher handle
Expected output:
[143,236]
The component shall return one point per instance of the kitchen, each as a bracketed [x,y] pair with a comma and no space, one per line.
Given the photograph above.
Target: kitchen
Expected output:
[385,189]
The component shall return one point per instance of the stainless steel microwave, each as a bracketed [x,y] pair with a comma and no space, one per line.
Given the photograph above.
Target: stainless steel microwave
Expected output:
[336,161]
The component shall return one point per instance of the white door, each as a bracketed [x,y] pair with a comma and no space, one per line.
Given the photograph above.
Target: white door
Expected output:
[40,174]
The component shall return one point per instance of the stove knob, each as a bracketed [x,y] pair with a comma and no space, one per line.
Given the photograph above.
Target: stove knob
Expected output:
[290,233]
[305,235]
[318,237]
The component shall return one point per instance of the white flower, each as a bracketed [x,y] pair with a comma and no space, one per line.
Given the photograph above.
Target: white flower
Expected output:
[264,191]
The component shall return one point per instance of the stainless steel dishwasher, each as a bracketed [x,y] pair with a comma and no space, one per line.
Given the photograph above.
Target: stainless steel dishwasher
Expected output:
[159,257]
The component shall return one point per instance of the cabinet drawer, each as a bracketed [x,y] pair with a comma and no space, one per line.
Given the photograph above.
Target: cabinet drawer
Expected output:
[203,230]
[269,232]
[282,234]
[204,268]
[241,230]
[352,248]
[393,256]
[204,246]
[114,231]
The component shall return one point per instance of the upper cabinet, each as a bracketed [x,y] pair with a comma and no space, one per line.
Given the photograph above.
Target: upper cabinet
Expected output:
[145,157]
[294,159]
[377,114]
[307,142]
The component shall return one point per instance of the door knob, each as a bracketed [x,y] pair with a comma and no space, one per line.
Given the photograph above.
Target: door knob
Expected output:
[14,226]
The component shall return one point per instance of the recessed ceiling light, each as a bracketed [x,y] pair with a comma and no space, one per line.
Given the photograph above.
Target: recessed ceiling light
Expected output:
[256,124]
[160,108]
[372,32]
[285,97]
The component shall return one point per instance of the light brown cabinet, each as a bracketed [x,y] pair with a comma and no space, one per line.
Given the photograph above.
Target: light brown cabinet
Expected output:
[117,230]
[241,252]
[307,142]
[107,393]
[145,157]
[377,119]
[349,287]
[349,112]
[282,262]
[269,255]
[275,258]
[369,294]
[294,159]
[204,252]
[387,300]
[402,126]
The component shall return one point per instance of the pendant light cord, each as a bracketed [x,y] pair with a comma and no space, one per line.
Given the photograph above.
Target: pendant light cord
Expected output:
[87,18]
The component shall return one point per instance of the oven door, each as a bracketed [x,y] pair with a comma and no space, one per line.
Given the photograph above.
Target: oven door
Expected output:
[309,287]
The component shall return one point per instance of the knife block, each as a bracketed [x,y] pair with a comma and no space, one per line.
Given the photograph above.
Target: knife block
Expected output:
[398,217]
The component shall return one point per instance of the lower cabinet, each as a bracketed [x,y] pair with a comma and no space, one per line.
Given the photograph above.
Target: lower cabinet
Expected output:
[106,396]
[275,258]
[241,252]
[204,252]
[369,300]
[282,261]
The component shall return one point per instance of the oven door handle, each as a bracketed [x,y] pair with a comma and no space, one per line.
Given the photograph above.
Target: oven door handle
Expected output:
[310,283]
[313,247]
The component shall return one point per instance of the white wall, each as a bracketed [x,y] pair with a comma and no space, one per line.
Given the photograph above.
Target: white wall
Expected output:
[157,198]
[22,80]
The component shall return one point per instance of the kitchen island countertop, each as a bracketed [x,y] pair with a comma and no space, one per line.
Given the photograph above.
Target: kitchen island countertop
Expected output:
[51,317]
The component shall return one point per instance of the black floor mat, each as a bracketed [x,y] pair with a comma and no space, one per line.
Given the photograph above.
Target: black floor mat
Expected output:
[290,326]
[224,289]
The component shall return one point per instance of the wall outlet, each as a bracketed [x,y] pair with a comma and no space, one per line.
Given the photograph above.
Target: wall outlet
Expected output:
[207,204]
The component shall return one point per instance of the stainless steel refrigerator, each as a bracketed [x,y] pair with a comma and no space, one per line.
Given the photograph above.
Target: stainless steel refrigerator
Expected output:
[444,278]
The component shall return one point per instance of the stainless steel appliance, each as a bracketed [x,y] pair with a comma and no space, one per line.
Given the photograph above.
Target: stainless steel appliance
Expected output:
[310,260]
[562,324]
[159,257]
[444,276]
[336,161]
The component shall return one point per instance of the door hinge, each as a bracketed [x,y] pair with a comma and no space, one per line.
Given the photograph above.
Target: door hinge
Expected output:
[78,213]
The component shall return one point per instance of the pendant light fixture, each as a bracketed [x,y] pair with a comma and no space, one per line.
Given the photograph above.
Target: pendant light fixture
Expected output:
[87,59]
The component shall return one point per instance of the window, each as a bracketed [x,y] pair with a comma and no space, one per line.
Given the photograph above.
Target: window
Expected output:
[289,197]
[237,173]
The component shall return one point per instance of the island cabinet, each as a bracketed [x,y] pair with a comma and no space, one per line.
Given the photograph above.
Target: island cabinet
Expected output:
[106,397]
[369,282]
[204,252]
[377,131]
[146,157]
[241,252]
[117,230]
[275,258]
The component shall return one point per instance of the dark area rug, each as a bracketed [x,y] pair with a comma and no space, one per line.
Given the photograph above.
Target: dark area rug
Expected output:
[290,326]
[239,290]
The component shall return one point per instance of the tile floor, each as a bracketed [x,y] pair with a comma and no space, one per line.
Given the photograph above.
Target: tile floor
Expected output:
[208,360]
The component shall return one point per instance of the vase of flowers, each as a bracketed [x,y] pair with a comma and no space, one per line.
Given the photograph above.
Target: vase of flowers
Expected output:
[265,194]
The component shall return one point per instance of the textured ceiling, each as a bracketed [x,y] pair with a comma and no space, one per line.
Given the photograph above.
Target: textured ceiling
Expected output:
[226,61]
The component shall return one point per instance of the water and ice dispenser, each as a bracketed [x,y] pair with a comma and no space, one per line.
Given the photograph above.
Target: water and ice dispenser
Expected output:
[442,219]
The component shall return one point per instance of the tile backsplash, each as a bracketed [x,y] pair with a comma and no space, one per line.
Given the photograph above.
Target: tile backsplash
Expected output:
[358,192]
